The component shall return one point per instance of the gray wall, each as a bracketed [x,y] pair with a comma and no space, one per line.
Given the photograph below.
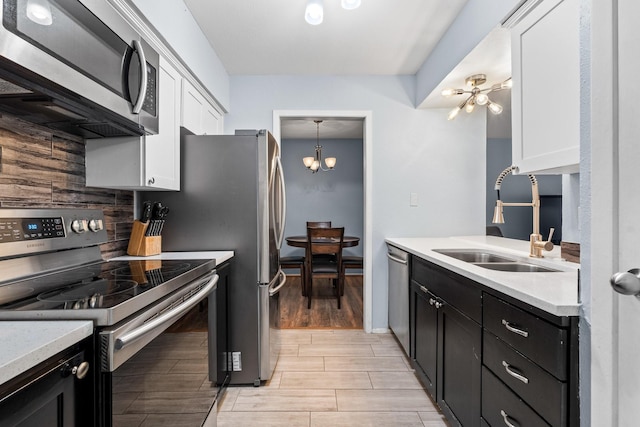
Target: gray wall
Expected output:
[335,196]
[515,188]
[412,150]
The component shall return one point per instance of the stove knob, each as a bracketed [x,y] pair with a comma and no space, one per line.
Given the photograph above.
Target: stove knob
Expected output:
[95,225]
[79,225]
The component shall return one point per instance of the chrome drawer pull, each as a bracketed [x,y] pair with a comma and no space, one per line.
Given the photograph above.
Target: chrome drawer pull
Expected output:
[514,330]
[423,289]
[506,419]
[513,373]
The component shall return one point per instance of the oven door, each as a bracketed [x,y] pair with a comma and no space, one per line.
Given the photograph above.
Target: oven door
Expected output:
[156,366]
[86,47]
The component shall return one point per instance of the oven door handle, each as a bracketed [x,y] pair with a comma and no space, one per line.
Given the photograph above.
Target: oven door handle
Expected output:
[170,315]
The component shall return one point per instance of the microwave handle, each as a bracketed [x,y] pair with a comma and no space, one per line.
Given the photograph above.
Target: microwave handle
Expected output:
[137,107]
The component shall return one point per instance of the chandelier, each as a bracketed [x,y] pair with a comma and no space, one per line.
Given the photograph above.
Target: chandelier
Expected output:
[477,95]
[314,163]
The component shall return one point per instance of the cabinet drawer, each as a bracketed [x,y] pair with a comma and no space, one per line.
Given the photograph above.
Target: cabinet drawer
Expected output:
[540,341]
[541,390]
[460,292]
[501,407]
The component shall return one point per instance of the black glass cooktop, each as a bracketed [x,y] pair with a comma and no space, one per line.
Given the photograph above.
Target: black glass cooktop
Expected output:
[102,285]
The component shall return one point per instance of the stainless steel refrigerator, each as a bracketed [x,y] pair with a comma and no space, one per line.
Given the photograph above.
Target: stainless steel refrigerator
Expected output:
[232,197]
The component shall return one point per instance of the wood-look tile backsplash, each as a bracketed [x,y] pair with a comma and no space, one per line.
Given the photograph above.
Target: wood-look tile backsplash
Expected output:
[44,168]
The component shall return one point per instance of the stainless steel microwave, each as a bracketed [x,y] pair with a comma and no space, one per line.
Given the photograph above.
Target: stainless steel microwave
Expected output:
[77,66]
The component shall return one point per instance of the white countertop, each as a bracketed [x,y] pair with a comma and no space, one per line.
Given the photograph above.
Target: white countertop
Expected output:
[27,343]
[219,256]
[553,292]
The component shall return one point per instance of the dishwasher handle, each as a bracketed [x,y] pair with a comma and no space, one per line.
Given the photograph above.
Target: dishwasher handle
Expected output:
[398,260]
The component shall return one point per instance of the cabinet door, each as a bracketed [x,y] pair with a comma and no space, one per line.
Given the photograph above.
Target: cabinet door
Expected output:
[192,107]
[211,123]
[546,89]
[162,151]
[426,340]
[459,373]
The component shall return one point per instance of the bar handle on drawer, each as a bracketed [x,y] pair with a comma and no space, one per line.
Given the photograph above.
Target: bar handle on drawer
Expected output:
[423,289]
[514,330]
[506,419]
[513,373]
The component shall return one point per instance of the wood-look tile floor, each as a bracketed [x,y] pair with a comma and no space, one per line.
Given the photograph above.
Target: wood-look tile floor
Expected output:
[334,378]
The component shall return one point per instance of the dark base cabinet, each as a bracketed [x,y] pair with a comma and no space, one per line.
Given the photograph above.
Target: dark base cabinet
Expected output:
[50,394]
[487,359]
[426,344]
[459,375]
[447,342]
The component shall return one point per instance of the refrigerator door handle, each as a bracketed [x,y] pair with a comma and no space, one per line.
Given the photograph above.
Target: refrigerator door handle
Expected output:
[274,290]
[282,203]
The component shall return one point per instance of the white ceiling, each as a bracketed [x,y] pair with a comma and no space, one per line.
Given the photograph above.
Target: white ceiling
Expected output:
[381,37]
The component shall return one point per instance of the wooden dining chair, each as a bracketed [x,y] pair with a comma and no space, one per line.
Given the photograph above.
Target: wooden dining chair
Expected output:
[351,262]
[319,224]
[297,262]
[326,242]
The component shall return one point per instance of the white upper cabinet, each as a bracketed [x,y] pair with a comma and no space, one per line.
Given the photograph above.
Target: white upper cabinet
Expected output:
[546,89]
[198,115]
[151,162]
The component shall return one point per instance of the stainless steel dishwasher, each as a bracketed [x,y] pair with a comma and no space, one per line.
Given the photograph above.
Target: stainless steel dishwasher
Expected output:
[399,294]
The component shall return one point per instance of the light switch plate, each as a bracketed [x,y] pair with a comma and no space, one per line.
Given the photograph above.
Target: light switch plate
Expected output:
[413,199]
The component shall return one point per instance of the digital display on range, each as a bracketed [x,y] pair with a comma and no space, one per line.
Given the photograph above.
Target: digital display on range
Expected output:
[20,229]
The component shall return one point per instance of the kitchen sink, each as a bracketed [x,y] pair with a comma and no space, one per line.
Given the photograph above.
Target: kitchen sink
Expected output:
[516,267]
[474,256]
[493,261]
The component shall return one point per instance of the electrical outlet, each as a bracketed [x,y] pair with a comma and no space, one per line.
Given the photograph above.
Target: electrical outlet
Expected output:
[413,199]
[236,357]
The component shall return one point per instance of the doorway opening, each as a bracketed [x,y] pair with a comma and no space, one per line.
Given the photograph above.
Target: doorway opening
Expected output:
[363,224]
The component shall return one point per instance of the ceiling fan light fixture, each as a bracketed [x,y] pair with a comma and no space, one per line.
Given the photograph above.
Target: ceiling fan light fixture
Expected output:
[351,4]
[314,12]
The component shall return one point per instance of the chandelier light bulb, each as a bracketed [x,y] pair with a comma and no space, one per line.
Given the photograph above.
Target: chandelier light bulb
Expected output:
[39,11]
[314,12]
[470,105]
[330,162]
[350,4]
[308,161]
[453,113]
[507,84]
[451,92]
[494,108]
[315,165]
[482,99]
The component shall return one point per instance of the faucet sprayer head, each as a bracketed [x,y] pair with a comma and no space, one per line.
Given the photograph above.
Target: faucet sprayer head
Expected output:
[498,217]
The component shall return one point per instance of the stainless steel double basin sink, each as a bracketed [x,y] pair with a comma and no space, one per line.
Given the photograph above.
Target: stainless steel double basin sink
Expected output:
[492,261]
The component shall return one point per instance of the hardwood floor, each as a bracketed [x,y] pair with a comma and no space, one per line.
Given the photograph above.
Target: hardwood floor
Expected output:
[324,311]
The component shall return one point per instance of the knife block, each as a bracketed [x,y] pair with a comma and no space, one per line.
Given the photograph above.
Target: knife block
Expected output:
[141,245]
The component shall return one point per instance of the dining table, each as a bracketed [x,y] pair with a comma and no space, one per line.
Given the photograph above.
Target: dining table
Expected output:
[301,241]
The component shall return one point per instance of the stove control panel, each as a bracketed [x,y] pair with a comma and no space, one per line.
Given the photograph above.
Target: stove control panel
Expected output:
[35,230]
[19,229]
